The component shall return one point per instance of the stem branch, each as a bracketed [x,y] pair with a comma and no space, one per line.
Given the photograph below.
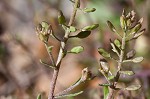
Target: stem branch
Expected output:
[61,53]
[121,56]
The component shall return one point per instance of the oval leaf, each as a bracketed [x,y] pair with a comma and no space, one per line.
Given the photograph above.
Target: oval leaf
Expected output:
[83,34]
[103,52]
[138,59]
[72,29]
[91,27]
[88,10]
[39,96]
[133,87]
[131,54]
[136,28]
[117,43]
[61,17]
[111,77]
[77,49]
[130,73]
[111,26]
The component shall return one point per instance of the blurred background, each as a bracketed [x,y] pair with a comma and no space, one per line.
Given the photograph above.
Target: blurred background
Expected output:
[23,77]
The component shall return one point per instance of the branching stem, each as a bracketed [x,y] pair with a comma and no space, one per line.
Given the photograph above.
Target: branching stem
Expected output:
[120,62]
[61,53]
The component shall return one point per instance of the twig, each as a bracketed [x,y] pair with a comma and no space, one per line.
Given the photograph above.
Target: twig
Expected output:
[61,53]
[121,56]
[68,89]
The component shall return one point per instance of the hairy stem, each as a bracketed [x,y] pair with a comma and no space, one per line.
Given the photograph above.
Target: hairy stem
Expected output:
[61,53]
[120,62]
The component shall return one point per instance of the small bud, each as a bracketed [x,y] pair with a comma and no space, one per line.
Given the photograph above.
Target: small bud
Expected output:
[88,10]
[86,75]
[123,12]
[123,22]
[61,17]
[133,13]
[141,21]
[129,22]
[128,16]
[43,31]
[104,65]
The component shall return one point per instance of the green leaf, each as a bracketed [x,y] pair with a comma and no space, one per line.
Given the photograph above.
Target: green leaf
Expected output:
[83,34]
[61,17]
[111,77]
[138,59]
[111,26]
[77,49]
[117,43]
[104,84]
[103,52]
[69,95]
[133,87]
[72,29]
[131,54]
[91,27]
[138,34]
[39,96]
[136,28]
[88,10]
[130,73]
[105,91]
